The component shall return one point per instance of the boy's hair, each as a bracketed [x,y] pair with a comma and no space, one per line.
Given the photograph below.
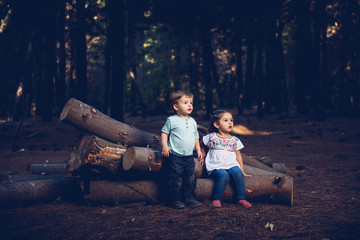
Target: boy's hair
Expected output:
[175,96]
[215,117]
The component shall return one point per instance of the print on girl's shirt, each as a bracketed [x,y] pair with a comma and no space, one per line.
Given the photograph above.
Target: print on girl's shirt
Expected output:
[216,142]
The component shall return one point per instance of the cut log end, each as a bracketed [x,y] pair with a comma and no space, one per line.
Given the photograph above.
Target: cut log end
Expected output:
[128,159]
[66,108]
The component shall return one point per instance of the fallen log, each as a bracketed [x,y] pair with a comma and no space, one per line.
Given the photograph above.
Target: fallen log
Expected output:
[26,189]
[149,160]
[277,189]
[252,161]
[55,168]
[95,122]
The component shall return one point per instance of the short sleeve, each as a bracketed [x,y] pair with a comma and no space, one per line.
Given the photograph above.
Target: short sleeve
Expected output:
[205,139]
[166,127]
[239,144]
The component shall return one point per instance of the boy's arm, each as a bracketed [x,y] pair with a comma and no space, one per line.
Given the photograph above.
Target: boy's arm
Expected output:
[241,162]
[165,151]
[198,150]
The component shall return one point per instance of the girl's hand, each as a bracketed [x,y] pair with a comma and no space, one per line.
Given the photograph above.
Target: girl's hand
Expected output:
[201,161]
[165,151]
[247,175]
[200,157]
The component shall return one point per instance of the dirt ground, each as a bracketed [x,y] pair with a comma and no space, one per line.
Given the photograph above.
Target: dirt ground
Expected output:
[322,157]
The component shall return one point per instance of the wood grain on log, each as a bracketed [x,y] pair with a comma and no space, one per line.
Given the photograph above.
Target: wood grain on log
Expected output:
[93,121]
[92,150]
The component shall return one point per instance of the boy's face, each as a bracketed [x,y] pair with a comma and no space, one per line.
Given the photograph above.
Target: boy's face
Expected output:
[184,106]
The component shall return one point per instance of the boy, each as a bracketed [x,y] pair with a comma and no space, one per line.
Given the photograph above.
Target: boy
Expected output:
[179,136]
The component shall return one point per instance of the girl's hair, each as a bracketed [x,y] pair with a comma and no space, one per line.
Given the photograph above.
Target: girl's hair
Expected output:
[175,96]
[215,117]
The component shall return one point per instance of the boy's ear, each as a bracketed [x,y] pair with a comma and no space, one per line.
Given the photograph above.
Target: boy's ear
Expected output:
[175,106]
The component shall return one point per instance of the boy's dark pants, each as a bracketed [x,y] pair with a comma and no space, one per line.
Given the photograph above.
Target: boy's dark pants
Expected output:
[181,177]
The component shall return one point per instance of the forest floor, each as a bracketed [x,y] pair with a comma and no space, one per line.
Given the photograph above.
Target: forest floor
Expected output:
[322,157]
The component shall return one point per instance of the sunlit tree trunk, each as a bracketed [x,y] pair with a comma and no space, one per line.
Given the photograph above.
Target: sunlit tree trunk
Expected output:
[116,41]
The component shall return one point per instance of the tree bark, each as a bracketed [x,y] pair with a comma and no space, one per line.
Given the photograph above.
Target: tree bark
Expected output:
[98,153]
[93,121]
[33,188]
[48,168]
[275,188]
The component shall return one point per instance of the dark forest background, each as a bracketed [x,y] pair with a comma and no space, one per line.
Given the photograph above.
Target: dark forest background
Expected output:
[127,56]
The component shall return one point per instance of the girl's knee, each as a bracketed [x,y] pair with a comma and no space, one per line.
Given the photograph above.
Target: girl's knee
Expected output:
[225,177]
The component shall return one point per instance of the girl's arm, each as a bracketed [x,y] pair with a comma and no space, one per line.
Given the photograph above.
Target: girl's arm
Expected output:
[241,163]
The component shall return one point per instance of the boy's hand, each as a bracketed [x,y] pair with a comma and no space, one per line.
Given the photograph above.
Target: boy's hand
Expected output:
[247,175]
[165,151]
[200,157]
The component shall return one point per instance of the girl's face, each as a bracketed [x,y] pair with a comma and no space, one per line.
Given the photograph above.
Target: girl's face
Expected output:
[184,106]
[225,123]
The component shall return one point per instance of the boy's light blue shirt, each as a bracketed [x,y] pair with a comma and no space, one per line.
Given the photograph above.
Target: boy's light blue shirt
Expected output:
[182,135]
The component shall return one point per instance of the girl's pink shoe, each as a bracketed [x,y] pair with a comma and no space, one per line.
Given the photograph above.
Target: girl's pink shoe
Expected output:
[216,203]
[244,203]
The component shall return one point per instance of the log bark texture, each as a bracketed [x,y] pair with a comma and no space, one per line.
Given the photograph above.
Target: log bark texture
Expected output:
[95,122]
[149,160]
[275,188]
[97,152]
[253,162]
[56,168]
[26,189]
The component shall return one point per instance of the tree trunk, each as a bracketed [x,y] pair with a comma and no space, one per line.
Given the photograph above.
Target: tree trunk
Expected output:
[97,152]
[93,121]
[149,160]
[276,188]
[116,36]
[60,81]
[80,51]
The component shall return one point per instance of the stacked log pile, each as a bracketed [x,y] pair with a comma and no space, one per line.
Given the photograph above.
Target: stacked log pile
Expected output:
[119,163]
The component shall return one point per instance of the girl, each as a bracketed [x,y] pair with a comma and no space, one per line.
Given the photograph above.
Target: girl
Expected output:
[224,160]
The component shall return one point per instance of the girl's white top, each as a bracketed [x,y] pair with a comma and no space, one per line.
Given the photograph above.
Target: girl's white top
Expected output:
[221,153]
